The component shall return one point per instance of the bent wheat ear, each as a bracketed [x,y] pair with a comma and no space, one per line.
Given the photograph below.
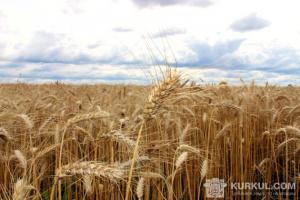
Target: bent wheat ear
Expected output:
[83,117]
[294,110]
[101,170]
[293,130]
[4,135]
[181,159]
[161,91]
[28,122]
[152,175]
[223,131]
[263,162]
[185,147]
[290,130]
[285,143]
[126,164]
[21,158]
[45,123]
[120,137]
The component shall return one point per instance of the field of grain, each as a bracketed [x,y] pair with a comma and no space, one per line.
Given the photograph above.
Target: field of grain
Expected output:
[154,142]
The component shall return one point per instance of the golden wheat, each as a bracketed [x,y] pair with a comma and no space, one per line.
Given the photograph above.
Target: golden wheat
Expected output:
[152,142]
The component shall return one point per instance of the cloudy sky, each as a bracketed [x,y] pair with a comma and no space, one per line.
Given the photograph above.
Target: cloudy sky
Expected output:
[121,41]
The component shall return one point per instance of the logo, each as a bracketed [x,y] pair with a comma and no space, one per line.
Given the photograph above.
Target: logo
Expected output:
[215,188]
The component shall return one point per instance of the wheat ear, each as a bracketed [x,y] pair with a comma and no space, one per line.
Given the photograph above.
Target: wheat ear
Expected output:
[140,188]
[21,190]
[4,135]
[181,159]
[101,170]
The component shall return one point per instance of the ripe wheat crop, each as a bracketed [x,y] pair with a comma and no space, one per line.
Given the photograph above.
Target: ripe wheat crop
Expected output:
[106,142]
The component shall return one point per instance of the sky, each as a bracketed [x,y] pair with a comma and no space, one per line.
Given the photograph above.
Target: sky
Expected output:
[124,41]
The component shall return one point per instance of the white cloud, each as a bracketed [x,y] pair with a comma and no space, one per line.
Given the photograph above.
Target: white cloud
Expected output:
[73,7]
[149,3]
[1,19]
[122,29]
[76,40]
[249,23]
[169,32]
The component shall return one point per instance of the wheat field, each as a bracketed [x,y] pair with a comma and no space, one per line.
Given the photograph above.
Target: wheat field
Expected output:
[158,142]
